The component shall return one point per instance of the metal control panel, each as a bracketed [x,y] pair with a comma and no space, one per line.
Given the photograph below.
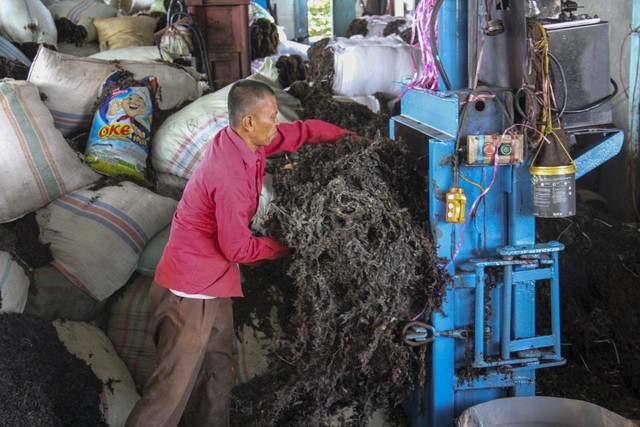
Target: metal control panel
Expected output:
[481,149]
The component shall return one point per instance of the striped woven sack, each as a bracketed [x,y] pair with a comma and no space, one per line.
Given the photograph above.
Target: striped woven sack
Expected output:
[14,285]
[71,85]
[53,296]
[27,21]
[97,236]
[36,164]
[9,51]
[178,145]
[128,328]
[82,13]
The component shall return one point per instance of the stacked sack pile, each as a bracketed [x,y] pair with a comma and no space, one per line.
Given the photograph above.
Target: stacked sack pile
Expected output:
[105,236]
[369,61]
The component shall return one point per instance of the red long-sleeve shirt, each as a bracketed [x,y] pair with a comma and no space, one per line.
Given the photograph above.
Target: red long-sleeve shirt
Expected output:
[210,231]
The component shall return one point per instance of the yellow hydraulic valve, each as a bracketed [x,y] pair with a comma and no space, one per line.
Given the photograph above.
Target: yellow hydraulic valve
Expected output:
[456,203]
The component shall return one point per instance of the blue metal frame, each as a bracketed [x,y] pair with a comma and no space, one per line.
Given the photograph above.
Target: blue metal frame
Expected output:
[495,263]
[499,237]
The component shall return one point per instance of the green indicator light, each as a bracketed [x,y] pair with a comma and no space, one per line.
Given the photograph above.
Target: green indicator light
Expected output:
[506,149]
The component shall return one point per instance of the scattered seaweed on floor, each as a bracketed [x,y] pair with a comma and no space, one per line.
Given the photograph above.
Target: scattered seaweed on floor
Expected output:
[362,264]
[290,68]
[41,383]
[357,26]
[599,300]
[264,38]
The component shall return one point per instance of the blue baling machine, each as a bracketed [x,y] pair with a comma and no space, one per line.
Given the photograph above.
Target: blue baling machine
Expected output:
[500,320]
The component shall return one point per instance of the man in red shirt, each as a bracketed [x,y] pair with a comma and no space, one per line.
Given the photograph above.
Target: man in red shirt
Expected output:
[198,272]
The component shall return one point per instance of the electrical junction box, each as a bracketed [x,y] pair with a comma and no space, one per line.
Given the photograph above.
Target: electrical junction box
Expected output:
[481,149]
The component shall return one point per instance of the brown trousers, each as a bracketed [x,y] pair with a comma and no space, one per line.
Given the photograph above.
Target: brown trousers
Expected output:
[195,369]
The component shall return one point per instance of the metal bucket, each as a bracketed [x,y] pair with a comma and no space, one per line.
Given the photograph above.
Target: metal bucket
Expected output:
[536,411]
[554,190]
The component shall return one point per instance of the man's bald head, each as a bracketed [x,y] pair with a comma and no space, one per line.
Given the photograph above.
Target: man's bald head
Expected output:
[243,96]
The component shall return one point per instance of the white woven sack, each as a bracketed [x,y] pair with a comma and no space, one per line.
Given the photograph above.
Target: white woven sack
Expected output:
[97,236]
[36,163]
[178,145]
[123,6]
[290,47]
[27,21]
[86,49]
[71,84]
[14,285]
[90,344]
[134,53]
[355,76]
[9,51]
[83,12]
[376,24]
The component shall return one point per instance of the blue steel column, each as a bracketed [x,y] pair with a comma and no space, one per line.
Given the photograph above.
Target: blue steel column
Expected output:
[479,318]
[442,391]
[452,42]
[505,342]
[555,303]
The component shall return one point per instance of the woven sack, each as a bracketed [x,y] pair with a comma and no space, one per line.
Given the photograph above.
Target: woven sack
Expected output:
[27,21]
[82,13]
[178,145]
[71,85]
[9,51]
[91,344]
[54,296]
[36,164]
[97,236]
[353,74]
[134,53]
[128,328]
[152,252]
[125,31]
[14,285]
[170,185]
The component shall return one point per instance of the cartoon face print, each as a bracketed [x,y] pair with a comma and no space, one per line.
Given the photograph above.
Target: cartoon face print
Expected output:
[134,105]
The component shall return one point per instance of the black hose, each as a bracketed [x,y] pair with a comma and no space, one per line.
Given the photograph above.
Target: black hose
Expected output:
[564,87]
[516,101]
[597,103]
[588,107]
[193,27]
[434,48]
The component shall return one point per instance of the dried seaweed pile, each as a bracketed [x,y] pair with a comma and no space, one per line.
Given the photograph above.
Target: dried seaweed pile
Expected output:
[362,264]
[600,321]
[393,27]
[321,67]
[318,103]
[41,383]
[70,32]
[264,38]
[13,69]
[357,26]
[290,68]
